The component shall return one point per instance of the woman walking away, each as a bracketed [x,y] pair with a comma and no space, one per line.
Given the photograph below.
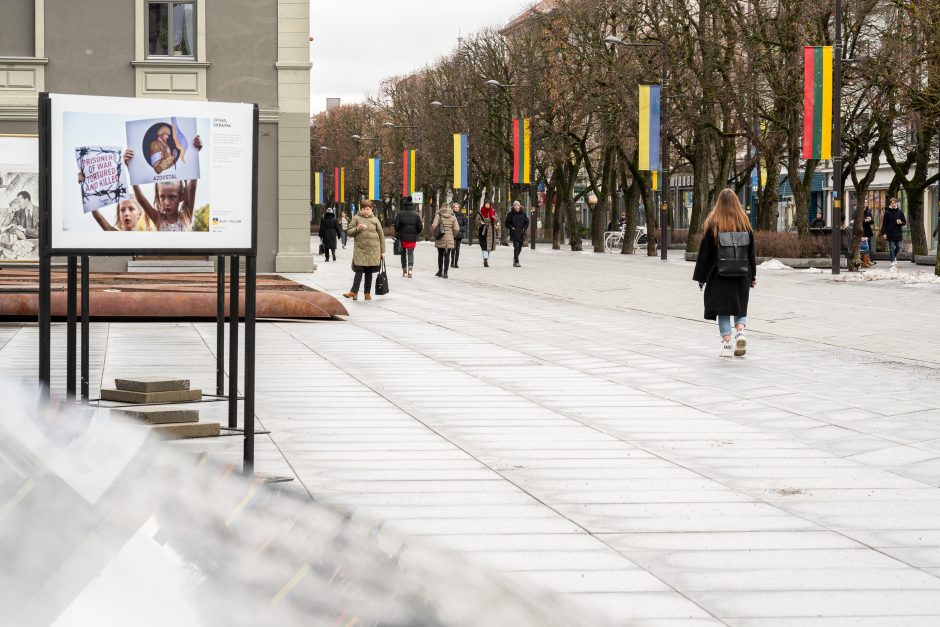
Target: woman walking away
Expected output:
[329,233]
[486,232]
[368,248]
[892,229]
[445,228]
[408,227]
[343,225]
[518,223]
[727,269]
[461,234]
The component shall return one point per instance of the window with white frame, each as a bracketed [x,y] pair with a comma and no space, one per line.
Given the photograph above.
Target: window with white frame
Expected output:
[171,28]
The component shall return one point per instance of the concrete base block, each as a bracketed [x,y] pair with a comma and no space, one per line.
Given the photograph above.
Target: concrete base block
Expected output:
[161,415]
[151,384]
[182,431]
[176,396]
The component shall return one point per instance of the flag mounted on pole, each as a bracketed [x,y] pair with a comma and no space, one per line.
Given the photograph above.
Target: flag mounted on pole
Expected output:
[522,151]
[655,180]
[318,188]
[375,179]
[408,177]
[461,161]
[817,102]
[339,184]
[648,135]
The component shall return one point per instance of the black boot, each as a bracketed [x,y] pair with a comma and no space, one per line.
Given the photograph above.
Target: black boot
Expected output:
[486,263]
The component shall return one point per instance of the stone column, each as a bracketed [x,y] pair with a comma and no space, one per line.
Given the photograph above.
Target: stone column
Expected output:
[293,136]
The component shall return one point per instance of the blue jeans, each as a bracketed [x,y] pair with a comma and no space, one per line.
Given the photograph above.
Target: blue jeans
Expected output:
[894,247]
[724,323]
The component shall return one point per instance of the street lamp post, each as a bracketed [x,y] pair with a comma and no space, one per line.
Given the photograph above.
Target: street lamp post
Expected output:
[532,196]
[663,135]
[837,186]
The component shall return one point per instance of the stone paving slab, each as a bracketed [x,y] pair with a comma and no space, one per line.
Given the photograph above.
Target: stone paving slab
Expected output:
[569,424]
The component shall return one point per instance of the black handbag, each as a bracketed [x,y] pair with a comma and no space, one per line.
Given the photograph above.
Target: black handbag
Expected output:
[381,281]
[322,249]
[396,246]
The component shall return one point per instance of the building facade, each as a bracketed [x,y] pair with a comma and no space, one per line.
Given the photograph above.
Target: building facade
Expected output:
[233,50]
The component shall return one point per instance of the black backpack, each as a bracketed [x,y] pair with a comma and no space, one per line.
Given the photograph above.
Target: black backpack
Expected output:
[733,259]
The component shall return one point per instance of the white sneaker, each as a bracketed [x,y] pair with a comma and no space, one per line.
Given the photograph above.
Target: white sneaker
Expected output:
[894,264]
[740,345]
[726,351]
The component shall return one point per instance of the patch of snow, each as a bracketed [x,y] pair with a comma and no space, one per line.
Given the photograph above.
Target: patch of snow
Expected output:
[812,270]
[773,264]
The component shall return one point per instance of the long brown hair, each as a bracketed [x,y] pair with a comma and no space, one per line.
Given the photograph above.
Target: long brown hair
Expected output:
[727,215]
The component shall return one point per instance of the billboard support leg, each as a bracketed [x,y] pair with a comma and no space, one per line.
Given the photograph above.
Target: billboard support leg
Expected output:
[86,314]
[233,346]
[220,327]
[70,336]
[251,264]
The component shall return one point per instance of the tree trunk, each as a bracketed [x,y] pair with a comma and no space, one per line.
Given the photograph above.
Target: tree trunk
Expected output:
[699,195]
[767,214]
[631,199]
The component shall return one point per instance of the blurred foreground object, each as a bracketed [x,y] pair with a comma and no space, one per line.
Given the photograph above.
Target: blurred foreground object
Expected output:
[101,524]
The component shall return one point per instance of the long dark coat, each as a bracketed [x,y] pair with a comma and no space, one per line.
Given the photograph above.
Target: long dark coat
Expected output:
[724,296]
[329,231]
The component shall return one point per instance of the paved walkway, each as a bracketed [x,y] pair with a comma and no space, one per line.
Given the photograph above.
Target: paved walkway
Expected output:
[569,424]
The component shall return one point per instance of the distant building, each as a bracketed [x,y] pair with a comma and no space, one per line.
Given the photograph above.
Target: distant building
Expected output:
[333,103]
[182,49]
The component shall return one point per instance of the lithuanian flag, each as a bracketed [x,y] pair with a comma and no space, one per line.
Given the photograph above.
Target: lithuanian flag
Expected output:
[408,178]
[339,184]
[521,151]
[817,102]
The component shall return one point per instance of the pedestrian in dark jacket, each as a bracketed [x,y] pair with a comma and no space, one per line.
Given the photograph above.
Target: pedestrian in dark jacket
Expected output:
[517,222]
[726,296]
[329,233]
[461,234]
[892,229]
[487,231]
[408,227]
[867,245]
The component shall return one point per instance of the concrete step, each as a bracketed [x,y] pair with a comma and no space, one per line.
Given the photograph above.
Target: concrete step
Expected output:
[187,430]
[171,265]
[151,384]
[140,398]
[161,415]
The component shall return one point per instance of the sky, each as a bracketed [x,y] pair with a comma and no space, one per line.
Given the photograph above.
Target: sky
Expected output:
[358,43]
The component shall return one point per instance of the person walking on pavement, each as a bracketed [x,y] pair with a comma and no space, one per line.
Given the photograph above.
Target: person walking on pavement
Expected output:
[487,231]
[445,228]
[368,248]
[461,234]
[408,227]
[329,233]
[518,223]
[892,229]
[726,267]
[343,225]
[868,239]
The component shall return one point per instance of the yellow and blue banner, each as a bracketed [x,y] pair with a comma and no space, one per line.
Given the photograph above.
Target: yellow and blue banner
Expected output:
[522,151]
[375,179]
[318,188]
[461,162]
[648,136]
[655,180]
[408,178]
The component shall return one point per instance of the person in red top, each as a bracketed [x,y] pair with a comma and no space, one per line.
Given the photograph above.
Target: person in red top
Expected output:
[486,232]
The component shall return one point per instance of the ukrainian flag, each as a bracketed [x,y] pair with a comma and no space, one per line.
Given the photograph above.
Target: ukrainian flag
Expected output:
[461,162]
[648,136]
[375,179]
[318,188]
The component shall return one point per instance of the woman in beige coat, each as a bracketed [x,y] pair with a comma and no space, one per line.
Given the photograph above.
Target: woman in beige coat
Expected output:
[446,226]
[368,248]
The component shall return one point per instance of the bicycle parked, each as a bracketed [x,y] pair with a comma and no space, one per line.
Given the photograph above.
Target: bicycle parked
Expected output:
[613,240]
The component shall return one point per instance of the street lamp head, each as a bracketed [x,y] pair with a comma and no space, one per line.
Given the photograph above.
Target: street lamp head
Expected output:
[494,83]
[388,125]
[357,137]
[324,148]
[611,39]
[437,103]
